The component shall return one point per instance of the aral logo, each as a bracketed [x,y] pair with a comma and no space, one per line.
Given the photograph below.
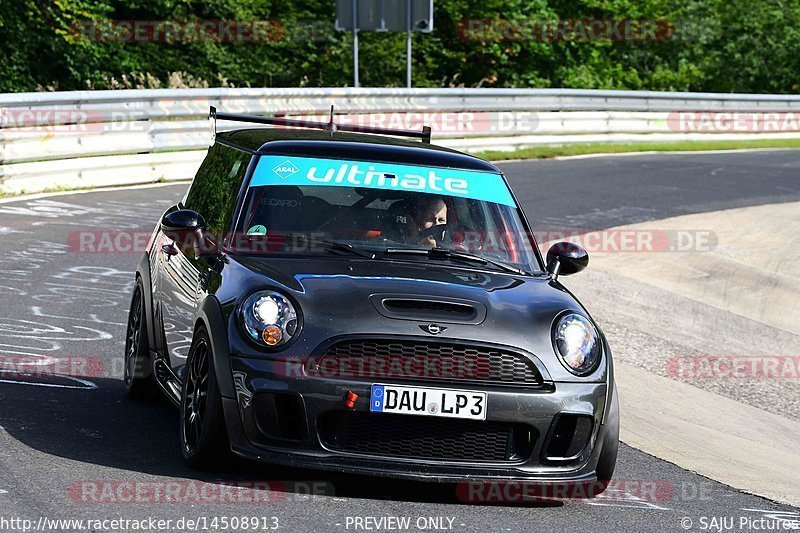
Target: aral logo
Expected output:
[286,169]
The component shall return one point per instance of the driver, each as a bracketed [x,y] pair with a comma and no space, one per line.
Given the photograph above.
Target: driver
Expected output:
[425,212]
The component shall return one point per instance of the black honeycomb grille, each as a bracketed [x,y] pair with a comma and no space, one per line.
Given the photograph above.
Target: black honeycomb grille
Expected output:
[378,359]
[419,437]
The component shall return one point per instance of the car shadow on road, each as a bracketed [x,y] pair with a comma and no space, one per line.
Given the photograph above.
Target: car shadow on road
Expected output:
[100,426]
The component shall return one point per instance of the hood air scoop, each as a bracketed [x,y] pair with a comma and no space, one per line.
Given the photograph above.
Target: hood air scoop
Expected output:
[429,309]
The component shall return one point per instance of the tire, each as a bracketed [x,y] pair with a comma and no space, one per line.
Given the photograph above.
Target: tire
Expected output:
[139,383]
[608,455]
[203,439]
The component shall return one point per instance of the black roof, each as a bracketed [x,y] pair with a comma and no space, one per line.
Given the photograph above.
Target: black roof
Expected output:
[357,146]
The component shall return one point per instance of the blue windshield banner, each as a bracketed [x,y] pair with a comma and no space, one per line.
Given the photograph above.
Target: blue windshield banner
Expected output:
[309,171]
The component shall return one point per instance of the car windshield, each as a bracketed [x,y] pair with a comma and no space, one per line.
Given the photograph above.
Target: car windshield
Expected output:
[308,205]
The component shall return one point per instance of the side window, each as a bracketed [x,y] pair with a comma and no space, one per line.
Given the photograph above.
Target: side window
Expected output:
[215,188]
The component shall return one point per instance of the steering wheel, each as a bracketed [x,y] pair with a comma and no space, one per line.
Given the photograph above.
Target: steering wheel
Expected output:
[438,232]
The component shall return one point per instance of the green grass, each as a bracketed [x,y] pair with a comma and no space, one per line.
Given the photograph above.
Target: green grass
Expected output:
[59,188]
[546,152]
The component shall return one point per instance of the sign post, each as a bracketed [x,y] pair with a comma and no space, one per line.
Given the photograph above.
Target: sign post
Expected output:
[409,16]
[355,44]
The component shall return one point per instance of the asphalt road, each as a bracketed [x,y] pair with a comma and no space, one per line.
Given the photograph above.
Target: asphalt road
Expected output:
[68,444]
[601,192]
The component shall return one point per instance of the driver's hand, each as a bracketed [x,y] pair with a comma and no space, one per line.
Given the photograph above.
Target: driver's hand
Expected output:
[428,242]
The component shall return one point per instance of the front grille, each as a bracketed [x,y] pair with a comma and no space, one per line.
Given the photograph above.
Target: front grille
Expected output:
[420,437]
[423,361]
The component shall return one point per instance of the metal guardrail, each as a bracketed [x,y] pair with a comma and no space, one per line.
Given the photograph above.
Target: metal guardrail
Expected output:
[81,138]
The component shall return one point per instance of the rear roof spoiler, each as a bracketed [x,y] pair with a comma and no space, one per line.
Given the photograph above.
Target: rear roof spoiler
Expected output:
[329,126]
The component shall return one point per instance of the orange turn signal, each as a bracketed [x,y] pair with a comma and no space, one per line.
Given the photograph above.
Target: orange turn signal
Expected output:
[272,335]
[350,399]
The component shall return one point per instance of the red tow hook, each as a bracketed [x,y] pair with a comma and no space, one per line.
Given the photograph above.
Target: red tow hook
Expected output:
[350,399]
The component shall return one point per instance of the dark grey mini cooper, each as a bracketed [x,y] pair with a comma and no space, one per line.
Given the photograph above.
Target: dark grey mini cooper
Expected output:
[348,301]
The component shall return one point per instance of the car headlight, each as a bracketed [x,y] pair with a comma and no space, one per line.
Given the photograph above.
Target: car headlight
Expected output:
[577,342]
[269,319]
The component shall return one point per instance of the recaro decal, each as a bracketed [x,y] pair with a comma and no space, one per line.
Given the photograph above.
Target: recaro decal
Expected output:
[309,171]
[276,202]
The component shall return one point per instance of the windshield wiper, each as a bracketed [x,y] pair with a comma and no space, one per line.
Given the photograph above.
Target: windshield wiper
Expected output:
[444,253]
[328,244]
[331,244]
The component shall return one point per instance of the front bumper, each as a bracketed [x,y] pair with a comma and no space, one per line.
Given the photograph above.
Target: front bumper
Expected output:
[320,398]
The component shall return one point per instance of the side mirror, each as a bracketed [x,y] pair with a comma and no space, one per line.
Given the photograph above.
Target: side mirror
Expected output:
[185,228]
[566,258]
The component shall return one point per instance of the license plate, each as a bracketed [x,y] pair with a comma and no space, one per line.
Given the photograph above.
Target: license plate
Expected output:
[428,402]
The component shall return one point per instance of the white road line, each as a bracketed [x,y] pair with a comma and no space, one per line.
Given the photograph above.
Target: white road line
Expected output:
[28,197]
[85,385]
